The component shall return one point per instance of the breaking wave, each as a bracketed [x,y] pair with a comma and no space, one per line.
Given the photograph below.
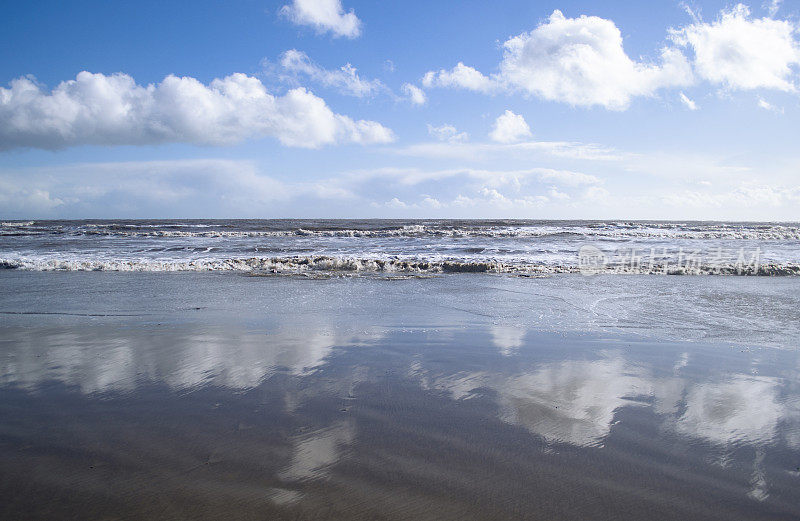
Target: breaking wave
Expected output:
[365,266]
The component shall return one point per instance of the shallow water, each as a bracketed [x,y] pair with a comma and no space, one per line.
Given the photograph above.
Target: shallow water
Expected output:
[464,396]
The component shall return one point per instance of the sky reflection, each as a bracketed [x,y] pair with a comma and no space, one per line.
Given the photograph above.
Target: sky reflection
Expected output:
[730,409]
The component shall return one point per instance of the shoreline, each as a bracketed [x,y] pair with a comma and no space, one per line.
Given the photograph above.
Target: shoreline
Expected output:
[740,311]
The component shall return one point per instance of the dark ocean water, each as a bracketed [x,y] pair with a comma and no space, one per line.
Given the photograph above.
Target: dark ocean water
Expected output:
[402,246]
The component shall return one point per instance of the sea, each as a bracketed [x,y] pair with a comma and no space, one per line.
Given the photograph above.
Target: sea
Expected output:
[409,369]
[404,247]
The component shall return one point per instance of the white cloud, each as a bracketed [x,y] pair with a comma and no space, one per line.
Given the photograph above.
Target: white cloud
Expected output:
[460,76]
[415,94]
[466,192]
[114,110]
[746,195]
[492,199]
[597,194]
[426,203]
[766,105]
[740,52]
[494,178]
[560,149]
[580,61]
[447,133]
[22,200]
[396,203]
[509,128]
[493,196]
[345,78]
[179,188]
[556,194]
[690,104]
[431,202]
[773,7]
[324,15]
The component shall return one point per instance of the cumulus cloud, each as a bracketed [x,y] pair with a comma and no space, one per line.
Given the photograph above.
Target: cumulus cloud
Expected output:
[460,76]
[114,110]
[740,52]
[509,128]
[415,94]
[345,78]
[447,133]
[396,203]
[580,61]
[324,16]
[690,103]
[427,203]
[431,202]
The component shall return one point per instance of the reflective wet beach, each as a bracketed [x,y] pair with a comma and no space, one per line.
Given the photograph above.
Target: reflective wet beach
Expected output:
[195,396]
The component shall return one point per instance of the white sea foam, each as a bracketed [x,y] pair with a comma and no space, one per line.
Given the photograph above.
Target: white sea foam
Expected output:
[17,224]
[415,247]
[366,266]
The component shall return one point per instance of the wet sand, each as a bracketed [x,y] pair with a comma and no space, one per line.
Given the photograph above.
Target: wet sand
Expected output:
[133,396]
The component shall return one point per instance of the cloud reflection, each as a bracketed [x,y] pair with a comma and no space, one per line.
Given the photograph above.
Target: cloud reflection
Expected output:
[574,398]
[97,360]
[743,409]
[507,339]
[314,453]
[572,401]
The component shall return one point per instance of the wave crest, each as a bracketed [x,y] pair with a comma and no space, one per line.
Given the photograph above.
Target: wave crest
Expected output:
[350,265]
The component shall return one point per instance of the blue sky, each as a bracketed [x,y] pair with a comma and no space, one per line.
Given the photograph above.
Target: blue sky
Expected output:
[322,108]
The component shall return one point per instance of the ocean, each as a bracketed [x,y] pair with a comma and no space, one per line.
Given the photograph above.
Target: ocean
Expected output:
[403,247]
[399,370]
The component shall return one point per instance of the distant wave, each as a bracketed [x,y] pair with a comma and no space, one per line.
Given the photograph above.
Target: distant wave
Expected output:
[353,266]
[355,247]
[607,230]
[17,224]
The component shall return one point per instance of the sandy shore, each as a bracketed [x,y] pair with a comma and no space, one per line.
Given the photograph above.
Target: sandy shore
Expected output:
[203,396]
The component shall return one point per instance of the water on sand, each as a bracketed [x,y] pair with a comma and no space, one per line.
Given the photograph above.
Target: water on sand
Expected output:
[143,396]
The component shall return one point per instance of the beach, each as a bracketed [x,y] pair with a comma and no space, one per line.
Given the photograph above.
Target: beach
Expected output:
[452,396]
[352,260]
